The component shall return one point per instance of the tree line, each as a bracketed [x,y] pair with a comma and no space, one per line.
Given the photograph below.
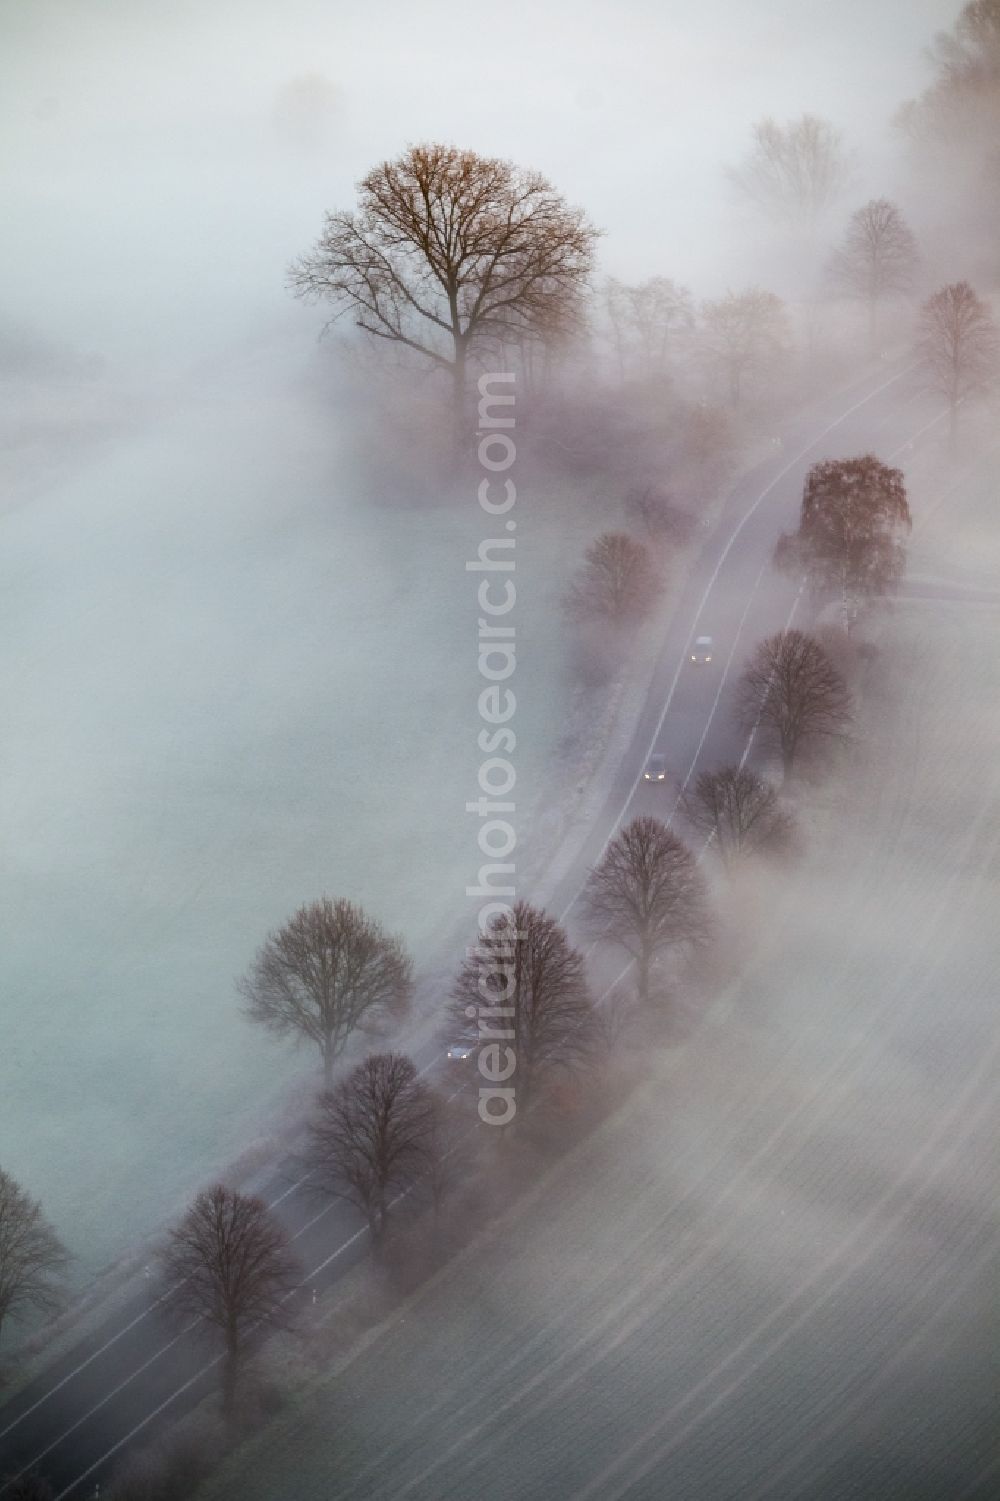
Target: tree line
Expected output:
[461,260]
[381,1135]
[331,973]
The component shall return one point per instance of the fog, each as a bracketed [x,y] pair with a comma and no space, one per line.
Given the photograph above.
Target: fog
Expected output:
[238,664]
[176,609]
[162,166]
[190,660]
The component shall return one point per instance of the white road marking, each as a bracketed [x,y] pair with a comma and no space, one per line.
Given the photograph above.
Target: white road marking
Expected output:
[723,679]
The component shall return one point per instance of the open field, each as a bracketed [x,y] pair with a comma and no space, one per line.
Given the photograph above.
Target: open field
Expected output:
[770,1273]
[231,687]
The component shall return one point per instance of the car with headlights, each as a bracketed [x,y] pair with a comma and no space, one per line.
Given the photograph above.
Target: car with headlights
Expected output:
[701,650]
[656,769]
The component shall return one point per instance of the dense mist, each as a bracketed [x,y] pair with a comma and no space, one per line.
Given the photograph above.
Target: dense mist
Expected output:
[742,374]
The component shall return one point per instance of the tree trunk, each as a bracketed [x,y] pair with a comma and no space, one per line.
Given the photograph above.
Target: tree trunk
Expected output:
[328,1062]
[643,963]
[873,324]
[787,756]
[458,395]
[377,1216]
[229,1375]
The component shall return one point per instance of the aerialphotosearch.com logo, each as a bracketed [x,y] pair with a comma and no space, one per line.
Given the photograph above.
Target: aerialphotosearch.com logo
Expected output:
[495,806]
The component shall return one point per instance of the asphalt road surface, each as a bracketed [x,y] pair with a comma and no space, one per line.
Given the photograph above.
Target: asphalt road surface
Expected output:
[140,1370]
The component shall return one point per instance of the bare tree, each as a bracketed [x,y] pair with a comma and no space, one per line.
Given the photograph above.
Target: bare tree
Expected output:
[877,258]
[371,1138]
[329,970]
[450,252]
[616,582]
[850,538]
[792,694]
[743,336]
[740,812]
[32,1256]
[793,172]
[958,347]
[522,995]
[648,896]
[234,1269]
[645,320]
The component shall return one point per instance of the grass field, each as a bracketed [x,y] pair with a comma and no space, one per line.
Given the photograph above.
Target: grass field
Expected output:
[232,683]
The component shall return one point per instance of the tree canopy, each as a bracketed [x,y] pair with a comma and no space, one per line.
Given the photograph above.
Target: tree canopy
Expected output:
[850,542]
[743,336]
[877,257]
[533,983]
[616,581]
[647,895]
[451,254]
[371,1137]
[740,812]
[795,171]
[792,694]
[233,1267]
[958,346]
[31,1254]
[329,969]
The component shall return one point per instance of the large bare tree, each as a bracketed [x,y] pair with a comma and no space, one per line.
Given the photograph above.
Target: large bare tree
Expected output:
[743,337]
[793,172]
[850,542]
[740,812]
[32,1256]
[877,258]
[792,694]
[523,991]
[373,1136]
[958,347]
[616,581]
[450,253]
[648,896]
[234,1269]
[329,970]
